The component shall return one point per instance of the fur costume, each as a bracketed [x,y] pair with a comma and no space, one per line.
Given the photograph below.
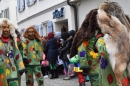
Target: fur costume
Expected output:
[86,31]
[116,10]
[115,27]
[84,45]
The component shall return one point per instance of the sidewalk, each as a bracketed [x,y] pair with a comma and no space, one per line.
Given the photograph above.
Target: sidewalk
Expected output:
[56,82]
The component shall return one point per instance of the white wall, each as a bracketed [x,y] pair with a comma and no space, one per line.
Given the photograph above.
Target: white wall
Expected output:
[87,5]
[3,5]
[12,9]
[37,7]
[49,17]
[11,4]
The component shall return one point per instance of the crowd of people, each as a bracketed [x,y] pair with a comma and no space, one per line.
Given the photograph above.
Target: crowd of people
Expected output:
[98,52]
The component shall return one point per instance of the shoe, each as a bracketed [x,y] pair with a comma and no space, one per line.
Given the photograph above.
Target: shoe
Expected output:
[52,74]
[67,78]
[56,73]
[46,76]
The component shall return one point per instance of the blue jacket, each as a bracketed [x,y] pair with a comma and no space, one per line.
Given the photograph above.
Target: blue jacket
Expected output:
[52,50]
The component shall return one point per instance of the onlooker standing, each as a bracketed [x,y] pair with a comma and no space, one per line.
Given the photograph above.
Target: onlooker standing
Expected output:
[52,53]
[60,67]
[64,51]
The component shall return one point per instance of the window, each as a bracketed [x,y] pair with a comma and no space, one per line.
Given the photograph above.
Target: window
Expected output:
[41,29]
[22,31]
[1,15]
[16,14]
[20,5]
[30,2]
[37,28]
[50,26]
[45,31]
[6,13]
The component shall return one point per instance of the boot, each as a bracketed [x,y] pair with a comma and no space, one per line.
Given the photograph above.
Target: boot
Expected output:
[56,73]
[82,84]
[52,74]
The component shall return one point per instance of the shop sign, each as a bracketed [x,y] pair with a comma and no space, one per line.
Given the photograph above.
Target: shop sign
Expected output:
[58,13]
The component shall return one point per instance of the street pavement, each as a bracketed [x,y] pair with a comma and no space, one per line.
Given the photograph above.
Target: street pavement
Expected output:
[55,82]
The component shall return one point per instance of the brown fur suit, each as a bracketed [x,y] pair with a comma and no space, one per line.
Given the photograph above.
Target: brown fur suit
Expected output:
[116,37]
[86,31]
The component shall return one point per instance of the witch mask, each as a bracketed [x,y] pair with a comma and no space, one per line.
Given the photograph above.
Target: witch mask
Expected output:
[6,30]
[31,35]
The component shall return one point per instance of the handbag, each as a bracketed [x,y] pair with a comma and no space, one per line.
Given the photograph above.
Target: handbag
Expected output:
[45,62]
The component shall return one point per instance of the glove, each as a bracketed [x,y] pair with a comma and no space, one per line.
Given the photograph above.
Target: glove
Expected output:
[74,59]
[25,61]
[21,72]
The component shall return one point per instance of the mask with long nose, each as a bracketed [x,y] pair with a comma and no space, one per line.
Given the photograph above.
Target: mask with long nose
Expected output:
[31,35]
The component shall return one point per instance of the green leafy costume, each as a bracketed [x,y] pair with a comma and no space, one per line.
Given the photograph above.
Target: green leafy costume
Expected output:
[32,51]
[10,62]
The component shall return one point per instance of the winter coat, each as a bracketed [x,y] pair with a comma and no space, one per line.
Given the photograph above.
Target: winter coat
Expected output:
[52,50]
[64,50]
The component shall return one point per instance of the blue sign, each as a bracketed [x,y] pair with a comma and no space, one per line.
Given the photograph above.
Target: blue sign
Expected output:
[58,14]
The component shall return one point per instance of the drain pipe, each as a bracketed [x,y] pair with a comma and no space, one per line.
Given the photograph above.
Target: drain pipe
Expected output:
[75,14]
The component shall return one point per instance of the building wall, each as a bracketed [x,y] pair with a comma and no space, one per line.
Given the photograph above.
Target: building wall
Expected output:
[42,18]
[3,5]
[42,12]
[86,5]
[11,4]
[13,12]
[39,6]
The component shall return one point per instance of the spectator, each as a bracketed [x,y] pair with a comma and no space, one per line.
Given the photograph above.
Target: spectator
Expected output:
[64,50]
[52,53]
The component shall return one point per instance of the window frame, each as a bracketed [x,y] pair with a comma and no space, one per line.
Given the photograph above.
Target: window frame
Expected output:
[19,7]
[30,3]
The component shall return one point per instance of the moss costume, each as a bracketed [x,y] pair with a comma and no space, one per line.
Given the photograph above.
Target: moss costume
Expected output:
[32,52]
[10,62]
[106,74]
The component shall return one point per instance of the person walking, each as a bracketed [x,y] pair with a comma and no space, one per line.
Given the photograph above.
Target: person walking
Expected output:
[32,55]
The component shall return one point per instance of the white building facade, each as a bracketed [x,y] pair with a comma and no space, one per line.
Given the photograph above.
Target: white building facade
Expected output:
[84,6]
[8,10]
[45,15]
[52,15]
